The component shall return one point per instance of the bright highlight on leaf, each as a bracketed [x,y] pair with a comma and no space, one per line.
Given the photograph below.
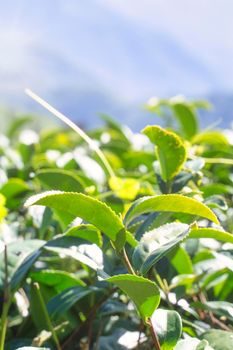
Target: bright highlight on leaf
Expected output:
[125,188]
[157,243]
[168,326]
[3,210]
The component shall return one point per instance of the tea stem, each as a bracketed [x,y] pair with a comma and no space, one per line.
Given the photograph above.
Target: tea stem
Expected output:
[46,315]
[6,303]
[153,335]
[93,145]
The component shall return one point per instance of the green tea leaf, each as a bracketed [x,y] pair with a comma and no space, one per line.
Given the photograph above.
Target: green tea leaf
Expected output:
[20,257]
[182,261]
[59,179]
[169,203]
[193,344]
[62,302]
[187,118]
[83,206]
[13,187]
[219,340]
[143,292]
[87,232]
[60,280]
[171,151]
[168,327]
[210,138]
[211,233]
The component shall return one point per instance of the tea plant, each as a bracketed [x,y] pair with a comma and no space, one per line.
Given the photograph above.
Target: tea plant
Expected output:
[117,240]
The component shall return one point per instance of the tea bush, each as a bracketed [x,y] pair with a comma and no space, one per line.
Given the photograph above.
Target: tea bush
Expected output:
[118,240]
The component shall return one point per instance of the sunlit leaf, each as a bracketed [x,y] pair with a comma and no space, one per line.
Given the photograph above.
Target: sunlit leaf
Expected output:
[169,203]
[170,150]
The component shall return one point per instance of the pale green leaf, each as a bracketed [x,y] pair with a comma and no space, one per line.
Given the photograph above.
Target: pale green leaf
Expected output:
[211,233]
[171,151]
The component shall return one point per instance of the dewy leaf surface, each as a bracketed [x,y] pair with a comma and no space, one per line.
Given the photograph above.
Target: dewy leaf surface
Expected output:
[157,243]
[83,206]
[143,292]
[171,151]
[169,203]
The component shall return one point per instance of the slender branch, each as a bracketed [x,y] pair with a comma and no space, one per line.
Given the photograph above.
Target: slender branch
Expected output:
[4,315]
[93,145]
[127,262]
[153,335]
[46,315]
[6,302]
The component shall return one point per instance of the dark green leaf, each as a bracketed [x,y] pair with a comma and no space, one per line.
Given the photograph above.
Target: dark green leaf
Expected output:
[143,292]
[59,179]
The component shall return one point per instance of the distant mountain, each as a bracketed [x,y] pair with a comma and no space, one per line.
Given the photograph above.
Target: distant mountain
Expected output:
[84,57]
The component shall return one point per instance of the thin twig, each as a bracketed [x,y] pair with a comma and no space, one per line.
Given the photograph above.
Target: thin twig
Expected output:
[153,335]
[6,302]
[127,262]
[46,315]
[93,145]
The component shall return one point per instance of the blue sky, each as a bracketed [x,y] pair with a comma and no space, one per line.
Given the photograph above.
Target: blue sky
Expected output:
[114,52]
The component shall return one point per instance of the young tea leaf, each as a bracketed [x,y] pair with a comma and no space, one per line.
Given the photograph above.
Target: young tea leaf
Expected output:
[143,292]
[171,151]
[187,118]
